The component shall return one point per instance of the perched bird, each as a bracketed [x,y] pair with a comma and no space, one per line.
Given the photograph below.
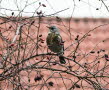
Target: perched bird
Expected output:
[55,43]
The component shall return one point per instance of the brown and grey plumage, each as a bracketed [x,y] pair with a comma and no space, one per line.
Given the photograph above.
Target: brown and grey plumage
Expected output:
[55,43]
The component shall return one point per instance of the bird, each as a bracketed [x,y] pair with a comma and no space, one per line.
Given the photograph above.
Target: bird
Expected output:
[55,43]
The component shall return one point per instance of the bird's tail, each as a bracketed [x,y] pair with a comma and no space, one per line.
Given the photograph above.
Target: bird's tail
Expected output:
[62,59]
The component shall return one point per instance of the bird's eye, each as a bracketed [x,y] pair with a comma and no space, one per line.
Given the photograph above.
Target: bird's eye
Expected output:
[52,28]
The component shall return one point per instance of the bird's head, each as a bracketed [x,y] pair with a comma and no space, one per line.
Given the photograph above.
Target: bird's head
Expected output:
[53,29]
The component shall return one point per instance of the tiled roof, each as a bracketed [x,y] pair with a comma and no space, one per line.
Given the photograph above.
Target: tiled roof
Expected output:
[95,41]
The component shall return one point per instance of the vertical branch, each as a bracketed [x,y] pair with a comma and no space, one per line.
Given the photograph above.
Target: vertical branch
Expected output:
[38,29]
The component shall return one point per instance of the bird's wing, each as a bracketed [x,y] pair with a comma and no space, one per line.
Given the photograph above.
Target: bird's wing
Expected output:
[58,41]
[53,38]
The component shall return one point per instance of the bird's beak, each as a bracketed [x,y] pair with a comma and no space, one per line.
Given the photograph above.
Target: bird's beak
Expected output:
[48,27]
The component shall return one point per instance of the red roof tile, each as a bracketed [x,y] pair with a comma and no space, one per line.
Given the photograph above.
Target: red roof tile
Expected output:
[69,31]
